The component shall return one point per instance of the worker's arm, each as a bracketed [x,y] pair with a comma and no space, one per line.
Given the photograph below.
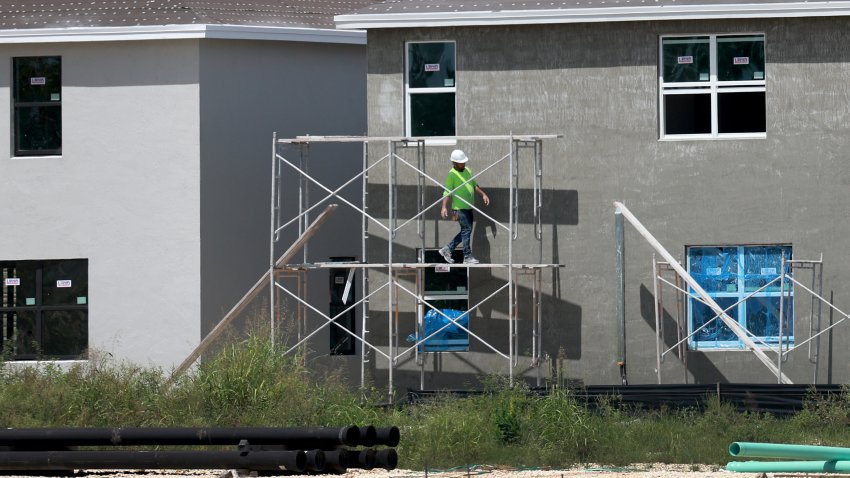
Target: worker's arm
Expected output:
[484,196]
[443,211]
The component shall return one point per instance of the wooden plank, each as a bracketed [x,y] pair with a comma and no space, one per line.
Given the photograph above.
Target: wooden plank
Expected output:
[252,293]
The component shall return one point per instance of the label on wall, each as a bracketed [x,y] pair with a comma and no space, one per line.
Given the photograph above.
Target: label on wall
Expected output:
[12,281]
[685,60]
[768,271]
[38,80]
[712,271]
[63,284]
[741,60]
[432,67]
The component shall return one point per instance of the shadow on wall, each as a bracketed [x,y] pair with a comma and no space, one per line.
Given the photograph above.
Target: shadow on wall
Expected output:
[560,206]
[699,366]
[561,319]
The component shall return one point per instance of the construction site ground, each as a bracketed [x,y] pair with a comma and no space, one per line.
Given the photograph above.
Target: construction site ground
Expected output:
[654,470]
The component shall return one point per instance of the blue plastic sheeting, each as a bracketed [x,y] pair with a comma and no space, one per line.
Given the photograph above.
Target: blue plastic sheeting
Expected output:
[450,339]
[729,274]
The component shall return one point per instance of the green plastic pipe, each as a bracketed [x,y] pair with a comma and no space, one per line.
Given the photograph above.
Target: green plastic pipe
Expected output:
[820,466]
[790,452]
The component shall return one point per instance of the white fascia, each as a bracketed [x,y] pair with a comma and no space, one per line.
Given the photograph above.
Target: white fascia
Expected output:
[176,32]
[592,15]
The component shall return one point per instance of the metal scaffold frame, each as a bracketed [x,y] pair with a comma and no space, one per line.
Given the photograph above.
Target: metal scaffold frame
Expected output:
[685,288]
[786,284]
[392,160]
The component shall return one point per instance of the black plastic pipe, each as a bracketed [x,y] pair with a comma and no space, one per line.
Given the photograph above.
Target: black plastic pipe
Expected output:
[387,436]
[386,458]
[365,459]
[336,461]
[316,460]
[179,460]
[368,435]
[300,438]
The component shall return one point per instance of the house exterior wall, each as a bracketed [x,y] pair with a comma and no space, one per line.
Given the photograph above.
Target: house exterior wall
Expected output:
[124,194]
[251,90]
[597,85]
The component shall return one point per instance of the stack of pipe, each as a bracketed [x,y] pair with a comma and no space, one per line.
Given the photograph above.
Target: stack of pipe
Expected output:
[794,458]
[297,450]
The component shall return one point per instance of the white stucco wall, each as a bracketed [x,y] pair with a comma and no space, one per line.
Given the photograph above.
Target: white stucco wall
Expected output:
[124,194]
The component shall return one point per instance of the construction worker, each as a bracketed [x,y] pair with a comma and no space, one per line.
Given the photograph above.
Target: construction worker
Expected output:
[459,185]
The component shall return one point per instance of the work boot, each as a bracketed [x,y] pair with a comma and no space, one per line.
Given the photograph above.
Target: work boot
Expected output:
[470,260]
[447,255]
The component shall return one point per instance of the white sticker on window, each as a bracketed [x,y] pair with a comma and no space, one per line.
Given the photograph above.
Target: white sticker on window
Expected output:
[54,97]
[758,75]
[38,80]
[441,268]
[685,60]
[63,284]
[12,281]
[30,301]
[432,67]
[741,60]
[81,300]
[703,77]
[339,280]
[712,271]
[448,82]
[765,271]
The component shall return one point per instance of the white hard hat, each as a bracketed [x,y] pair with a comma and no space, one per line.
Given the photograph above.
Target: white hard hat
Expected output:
[459,156]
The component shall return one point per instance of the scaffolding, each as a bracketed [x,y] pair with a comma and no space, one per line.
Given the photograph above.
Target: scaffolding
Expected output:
[292,155]
[670,273]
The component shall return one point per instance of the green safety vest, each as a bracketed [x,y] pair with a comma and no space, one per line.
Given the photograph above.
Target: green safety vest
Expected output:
[467,191]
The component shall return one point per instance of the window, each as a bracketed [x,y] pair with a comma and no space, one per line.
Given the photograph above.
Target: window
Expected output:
[430,89]
[732,274]
[44,309]
[37,105]
[712,86]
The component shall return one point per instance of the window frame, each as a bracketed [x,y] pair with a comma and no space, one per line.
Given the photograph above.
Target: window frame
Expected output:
[713,88]
[741,292]
[39,308]
[17,151]
[410,91]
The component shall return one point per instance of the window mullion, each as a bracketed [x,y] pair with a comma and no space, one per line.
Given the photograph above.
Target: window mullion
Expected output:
[742,291]
[712,79]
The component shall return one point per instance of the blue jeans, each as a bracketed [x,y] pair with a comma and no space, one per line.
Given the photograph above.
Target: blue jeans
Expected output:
[464,218]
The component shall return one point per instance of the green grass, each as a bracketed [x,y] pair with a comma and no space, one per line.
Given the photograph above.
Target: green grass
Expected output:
[251,383]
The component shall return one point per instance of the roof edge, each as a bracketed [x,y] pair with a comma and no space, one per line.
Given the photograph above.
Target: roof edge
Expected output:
[593,15]
[180,32]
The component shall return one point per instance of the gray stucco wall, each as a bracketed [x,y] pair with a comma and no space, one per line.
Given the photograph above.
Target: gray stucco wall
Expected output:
[597,85]
[124,194]
[250,90]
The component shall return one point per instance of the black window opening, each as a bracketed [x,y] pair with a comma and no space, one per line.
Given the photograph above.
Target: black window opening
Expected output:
[37,106]
[431,87]
[44,309]
[342,295]
[713,86]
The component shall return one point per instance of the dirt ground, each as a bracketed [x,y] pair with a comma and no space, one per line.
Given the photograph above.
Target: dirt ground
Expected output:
[590,471]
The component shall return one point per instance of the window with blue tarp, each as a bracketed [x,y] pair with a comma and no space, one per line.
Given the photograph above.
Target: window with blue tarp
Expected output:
[449,336]
[736,277]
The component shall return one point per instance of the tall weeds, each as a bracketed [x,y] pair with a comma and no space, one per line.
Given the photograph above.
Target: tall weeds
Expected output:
[252,383]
